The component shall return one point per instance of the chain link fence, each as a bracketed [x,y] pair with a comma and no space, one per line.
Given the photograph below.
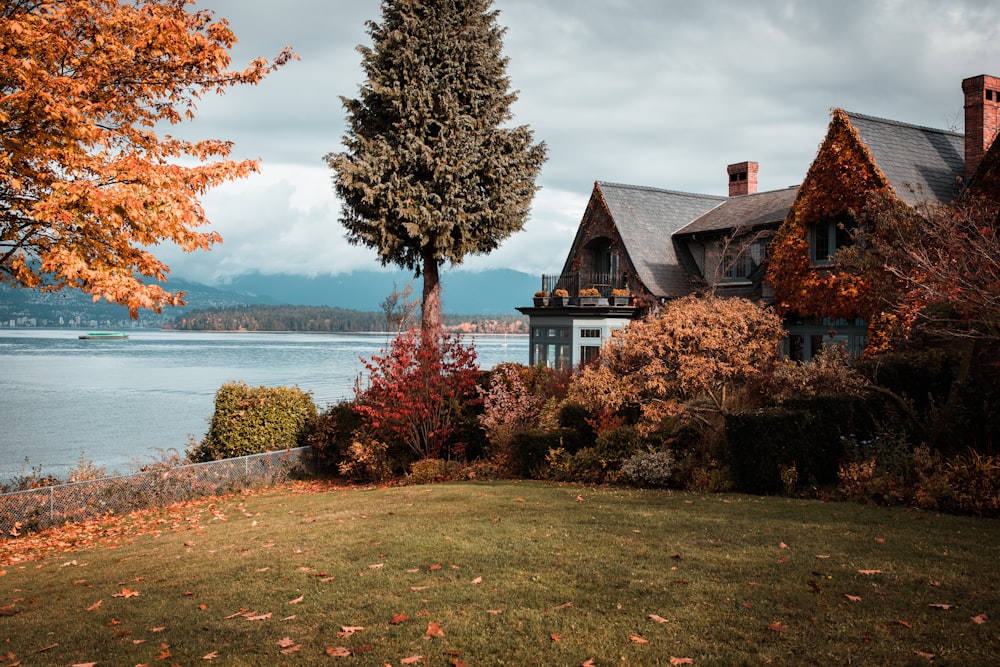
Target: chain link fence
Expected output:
[35,509]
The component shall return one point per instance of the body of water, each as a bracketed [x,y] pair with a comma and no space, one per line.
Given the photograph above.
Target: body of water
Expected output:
[119,403]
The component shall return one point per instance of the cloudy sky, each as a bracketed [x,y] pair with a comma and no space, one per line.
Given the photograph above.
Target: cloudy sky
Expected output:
[663,93]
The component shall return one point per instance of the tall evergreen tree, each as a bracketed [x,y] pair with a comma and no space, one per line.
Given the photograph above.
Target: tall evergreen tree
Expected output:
[432,172]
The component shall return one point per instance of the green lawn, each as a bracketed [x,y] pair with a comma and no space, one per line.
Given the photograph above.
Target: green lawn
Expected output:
[508,574]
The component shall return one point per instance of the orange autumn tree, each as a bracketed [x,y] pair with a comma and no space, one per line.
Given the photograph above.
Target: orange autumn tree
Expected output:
[87,183]
[840,183]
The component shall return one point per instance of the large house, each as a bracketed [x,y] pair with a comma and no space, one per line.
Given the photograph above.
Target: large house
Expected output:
[656,245]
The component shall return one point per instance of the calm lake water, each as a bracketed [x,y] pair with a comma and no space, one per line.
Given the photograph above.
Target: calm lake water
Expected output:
[118,403]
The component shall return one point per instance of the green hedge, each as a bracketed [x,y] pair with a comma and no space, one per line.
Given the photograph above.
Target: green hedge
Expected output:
[808,434]
[252,420]
[533,446]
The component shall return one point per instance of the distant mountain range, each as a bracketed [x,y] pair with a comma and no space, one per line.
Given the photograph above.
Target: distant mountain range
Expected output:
[464,292]
[488,292]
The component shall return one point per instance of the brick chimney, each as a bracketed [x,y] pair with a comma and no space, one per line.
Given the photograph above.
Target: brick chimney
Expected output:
[742,178]
[982,118]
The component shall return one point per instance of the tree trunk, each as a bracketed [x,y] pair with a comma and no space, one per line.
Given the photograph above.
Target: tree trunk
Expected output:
[430,318]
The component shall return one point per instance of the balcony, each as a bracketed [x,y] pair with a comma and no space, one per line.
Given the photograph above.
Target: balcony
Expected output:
[584,289]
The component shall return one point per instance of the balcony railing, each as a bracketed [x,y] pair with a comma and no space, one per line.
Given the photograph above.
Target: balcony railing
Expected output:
[574,282]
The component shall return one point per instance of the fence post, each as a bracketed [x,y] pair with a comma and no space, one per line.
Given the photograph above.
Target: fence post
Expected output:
[52,504]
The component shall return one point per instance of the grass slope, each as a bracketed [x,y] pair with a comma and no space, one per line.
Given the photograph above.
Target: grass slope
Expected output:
[505,574]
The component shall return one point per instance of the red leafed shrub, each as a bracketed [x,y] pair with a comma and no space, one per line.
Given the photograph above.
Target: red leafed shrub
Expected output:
[418,389]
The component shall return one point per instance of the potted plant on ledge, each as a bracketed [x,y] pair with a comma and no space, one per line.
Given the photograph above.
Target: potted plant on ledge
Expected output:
[591,297]
[620,297]
[541,299]
[560,297]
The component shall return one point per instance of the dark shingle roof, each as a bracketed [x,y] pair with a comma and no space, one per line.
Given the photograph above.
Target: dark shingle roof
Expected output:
[921,163]
[646,218]
[749,211]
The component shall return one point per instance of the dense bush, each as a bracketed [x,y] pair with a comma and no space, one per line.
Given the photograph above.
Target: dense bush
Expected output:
[252,420]
[650,468]
[330,434]
[532,448]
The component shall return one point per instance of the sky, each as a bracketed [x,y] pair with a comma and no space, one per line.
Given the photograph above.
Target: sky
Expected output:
[659,93]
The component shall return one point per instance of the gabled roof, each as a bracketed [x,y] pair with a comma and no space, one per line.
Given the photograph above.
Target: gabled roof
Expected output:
[646,219]
[752,211]
[921,163]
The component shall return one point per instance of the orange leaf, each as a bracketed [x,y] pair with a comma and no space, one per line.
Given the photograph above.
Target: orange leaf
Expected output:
[399,618]
[587,663]
[434,630]
[905,624]
[658,619]
[554,637]
[980,619]
[929,656]
[412,659]
[938,605]
[477,580]
[853,598]
[259,617]
[777,626]
[210,656]
[494,611]
[338,651]
[94,606]
[681,661]
[869,571]
[126,593]
[435,566]
[639,640]
[297,600]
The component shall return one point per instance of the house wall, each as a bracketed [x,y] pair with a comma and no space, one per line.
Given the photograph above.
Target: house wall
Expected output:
[565,340]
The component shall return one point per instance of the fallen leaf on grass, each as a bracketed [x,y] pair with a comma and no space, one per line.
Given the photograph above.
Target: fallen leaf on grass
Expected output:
[477,580]
[412,659]
[939,605]
[777,626]
[658,619]
[338,651]
[210,656]
[782,545]
[579,499]
[376,566]
[554,637]
[905,624]
[164,652]
[297,600]
[94,606]
[494,611]
[434,630]
[852,598]
[564,605]
[126,593]
[929,656]
[84,664]
[587,663]
[980,619]
[435,566]
[419,588]
[681,661]
[399,618]
[869,571]
[288,646]
[639,639]
[348,630]
[258,617]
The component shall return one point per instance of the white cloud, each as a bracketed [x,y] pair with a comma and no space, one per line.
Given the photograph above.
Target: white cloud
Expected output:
[663,93]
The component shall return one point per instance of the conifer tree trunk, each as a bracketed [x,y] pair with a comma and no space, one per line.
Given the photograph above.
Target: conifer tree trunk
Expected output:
[430,320]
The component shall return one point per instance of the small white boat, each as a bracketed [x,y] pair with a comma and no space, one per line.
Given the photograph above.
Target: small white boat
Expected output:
[104,335]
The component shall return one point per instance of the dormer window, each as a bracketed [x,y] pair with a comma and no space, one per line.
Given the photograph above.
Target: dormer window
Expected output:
[741,264]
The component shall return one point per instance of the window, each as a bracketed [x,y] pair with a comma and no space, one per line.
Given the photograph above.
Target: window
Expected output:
[741,263]
[589,354]
[827,237]
[550,346]
[590,333]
